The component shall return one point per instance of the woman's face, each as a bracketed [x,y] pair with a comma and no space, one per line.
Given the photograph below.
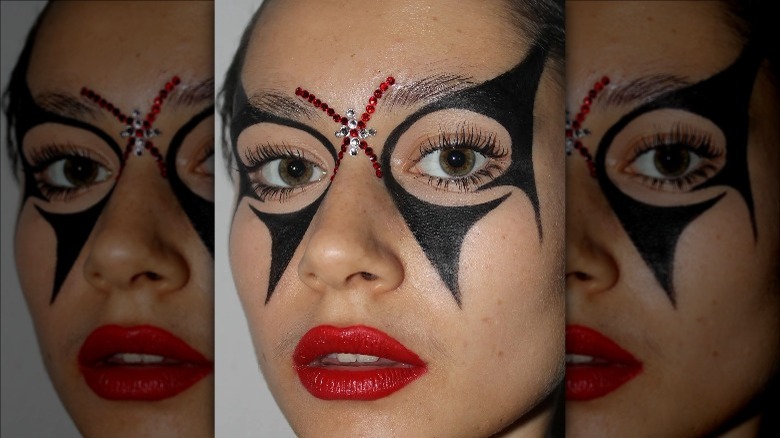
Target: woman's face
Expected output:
[439,289]
[673,245]
[118,281]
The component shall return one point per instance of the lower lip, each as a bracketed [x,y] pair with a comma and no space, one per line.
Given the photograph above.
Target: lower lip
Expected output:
[183,366]
[616,366]
[354,383]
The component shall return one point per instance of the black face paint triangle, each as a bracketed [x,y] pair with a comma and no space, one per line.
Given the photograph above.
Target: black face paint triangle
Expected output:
[509,99]
[724,99]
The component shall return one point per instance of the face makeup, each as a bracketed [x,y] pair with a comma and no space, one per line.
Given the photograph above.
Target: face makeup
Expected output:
[354,363]
[139,363]
[595,364]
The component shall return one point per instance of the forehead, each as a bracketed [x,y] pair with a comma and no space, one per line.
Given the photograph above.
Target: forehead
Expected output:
[350,46]
[125,49]
[625,39]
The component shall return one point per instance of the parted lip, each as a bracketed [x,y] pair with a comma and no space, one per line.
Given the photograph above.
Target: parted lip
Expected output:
[389,366]
[595,364]
[139,363]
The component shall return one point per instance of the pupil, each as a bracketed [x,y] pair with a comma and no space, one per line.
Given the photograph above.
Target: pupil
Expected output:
[296,168]
[456,158]
[295,172]
[80,171]
[672,160]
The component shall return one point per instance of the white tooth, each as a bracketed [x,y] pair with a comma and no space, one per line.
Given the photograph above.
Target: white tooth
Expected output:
[578,358]
[366,358]
[346,357]
[130,358]
[135,358]
[151,358]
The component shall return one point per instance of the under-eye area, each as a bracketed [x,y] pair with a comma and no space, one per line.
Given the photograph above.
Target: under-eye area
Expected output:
[665,157]
[451,153]
[282,167]
[68,168]
[195,159]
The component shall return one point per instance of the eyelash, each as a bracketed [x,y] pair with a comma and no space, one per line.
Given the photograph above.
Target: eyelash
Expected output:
[698,142]
[42,158]
[466,138]
[262,154]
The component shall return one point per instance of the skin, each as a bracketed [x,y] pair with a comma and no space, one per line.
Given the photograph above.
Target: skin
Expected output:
[143,262]
[709,352]
[504,343]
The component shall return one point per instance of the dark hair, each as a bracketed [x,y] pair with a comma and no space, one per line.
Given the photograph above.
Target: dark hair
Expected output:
[11,94]
[542,20]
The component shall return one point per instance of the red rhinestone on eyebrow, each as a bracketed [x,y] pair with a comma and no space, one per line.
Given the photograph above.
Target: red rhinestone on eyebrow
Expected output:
[138,131]
[574,131]
[353,130]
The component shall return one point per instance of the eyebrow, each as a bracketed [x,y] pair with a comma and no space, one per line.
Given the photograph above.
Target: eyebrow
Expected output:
[423,90]
[641,90]
[77,106]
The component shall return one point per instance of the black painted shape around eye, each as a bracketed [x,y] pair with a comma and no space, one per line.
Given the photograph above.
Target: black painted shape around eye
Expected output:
[71,230]
[509,99]
[723,99]
[200,211]
[286,230]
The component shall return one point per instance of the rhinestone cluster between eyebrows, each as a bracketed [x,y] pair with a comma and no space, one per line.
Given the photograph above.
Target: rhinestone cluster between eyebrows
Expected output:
[574,130]
[138,131]
[354,130]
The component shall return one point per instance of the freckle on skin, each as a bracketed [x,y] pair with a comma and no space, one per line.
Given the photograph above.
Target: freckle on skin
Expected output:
[500,353]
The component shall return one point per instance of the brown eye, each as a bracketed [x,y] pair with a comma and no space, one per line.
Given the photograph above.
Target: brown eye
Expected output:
[672,160]
[457,162]
[295,171]
[75,171]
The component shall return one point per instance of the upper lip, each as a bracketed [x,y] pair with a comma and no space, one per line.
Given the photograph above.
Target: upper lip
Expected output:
[107,341]
[324,340]
[584,341]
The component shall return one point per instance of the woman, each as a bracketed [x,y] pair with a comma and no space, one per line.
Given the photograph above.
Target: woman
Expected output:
[395,241]
[672,275]
[114,233]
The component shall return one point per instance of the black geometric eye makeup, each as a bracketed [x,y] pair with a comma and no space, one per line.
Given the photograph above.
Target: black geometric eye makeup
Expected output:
[698,141]
[468,158]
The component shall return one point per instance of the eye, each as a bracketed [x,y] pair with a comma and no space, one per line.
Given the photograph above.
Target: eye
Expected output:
[290,172]
[206,164]
[667,161]
[64,176]
[451,162]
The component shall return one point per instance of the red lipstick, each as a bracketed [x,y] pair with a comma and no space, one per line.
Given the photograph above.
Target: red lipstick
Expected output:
[595,364]
[354,363]
[139,363]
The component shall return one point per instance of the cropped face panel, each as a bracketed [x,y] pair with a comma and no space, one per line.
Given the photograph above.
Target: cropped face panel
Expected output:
[428,264]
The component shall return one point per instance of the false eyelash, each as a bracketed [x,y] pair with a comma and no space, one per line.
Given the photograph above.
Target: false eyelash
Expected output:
[468,137]
[697,140]
[261,154]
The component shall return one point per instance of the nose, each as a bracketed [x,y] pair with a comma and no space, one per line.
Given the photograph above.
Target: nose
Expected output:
[350,245]
[591,265]
[136,243]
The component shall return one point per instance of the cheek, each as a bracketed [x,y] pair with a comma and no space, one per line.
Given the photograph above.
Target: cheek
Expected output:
[35,252]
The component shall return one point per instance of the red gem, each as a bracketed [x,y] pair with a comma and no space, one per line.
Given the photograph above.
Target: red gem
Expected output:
[305,94]
[298,91]
[365,117]
[147,124]
[361,124]
[587,101]
[90,94]
[576,124]
[157,101]
[363,144]
[370,109]
[175,80]
[169,87]
[344,120]
[377,166]
[343,148]
[372,100]
[585,109]
[598,86]
[110,107]
[569,133]
[334,174]
[139,132]
[150,117]
[377,94]
[102,103]
[324,106]
[353,132]
[317,103]
[372,158]
[122,118]
[163,94]
[379,174]
[83,91]
[369,151]
[592,94]
[390,80]
[383,86]
[115,111]
[605,80]
[312,97]
[331,111]
[345,141]
[341,155]
[580,117]
[337,118]
[155,109]
[577,144]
